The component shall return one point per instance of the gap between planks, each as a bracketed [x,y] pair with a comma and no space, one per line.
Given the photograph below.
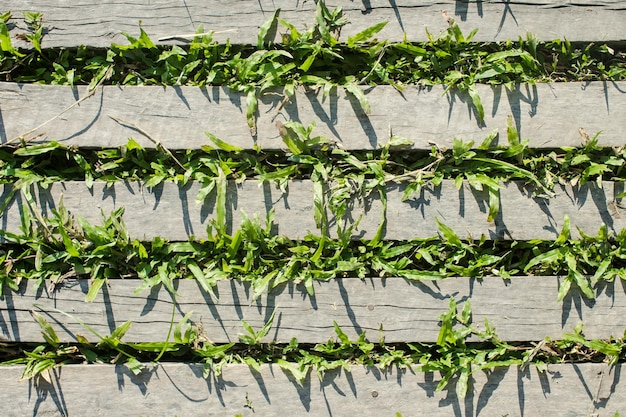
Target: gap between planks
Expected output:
[548,114]
[178,389]
[521,309]
[465,210]
[98,24]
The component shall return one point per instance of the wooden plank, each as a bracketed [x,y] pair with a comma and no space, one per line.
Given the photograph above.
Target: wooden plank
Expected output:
[179,389]
[549,115]
[101,23]
[521,309]
[464,210]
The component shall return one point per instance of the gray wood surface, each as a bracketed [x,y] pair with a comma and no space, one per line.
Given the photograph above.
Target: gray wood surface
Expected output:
[171,211]
[179,389]
[522,309]
[548,115]
[101,23]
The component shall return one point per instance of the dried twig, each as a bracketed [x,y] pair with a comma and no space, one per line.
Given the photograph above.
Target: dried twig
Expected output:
[156,142]
[22,136]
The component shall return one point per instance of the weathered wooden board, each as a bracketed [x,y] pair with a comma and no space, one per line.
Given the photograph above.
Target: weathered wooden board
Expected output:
[464,210]
[101,23]
[522,309]
[549,115]
[179,389]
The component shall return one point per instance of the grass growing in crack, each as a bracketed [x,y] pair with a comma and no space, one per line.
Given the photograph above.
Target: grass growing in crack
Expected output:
[339,176]
[69,247]
[462,349]
[313,57]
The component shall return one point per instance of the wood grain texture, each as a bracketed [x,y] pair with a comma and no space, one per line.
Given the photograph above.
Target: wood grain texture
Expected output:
[179,389]
[548,115]
[464,210]
[522,309]
[101,23]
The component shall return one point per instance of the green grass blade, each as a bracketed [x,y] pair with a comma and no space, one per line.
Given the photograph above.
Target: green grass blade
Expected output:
[267,31]
[94,289]
[478,104]
[358,93]
[366,34]
[47,331]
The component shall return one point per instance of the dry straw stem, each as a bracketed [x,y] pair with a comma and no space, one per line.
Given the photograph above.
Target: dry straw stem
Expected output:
[92,91]
[156,142]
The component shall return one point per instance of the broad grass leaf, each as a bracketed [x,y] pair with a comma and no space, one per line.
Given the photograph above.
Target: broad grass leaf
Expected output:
[94,289]
[466,313]
[67,242]
[513,169]
[220,202]
[601,271]
[47,331]
[252,105]
[266,327]
[399,142]
[462,384]
[250,337]
[306,65]
[412,49]
[447,321]
[144,39]
[40,368]
[487,143]
[564,235]
[322,17]
[343,338]
[564,287]
[261,285]
[583,284]
[180,335]
[319,211]
[155,179]
[448,234]
[610,349]
[489,72]
[426,255]
[411,190]
[478,104]
[494,204]
[358,93]
[102,74]
[134,365]
[201,277]
[575,276]
[294,369]
[454,77]
[5,40]
[223,145]
[366,34]
[382,194]
[252,363]
[511,132]
[548,258]
[268,31]
[498,56]
[208,184]
[38,149]
[279,174]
